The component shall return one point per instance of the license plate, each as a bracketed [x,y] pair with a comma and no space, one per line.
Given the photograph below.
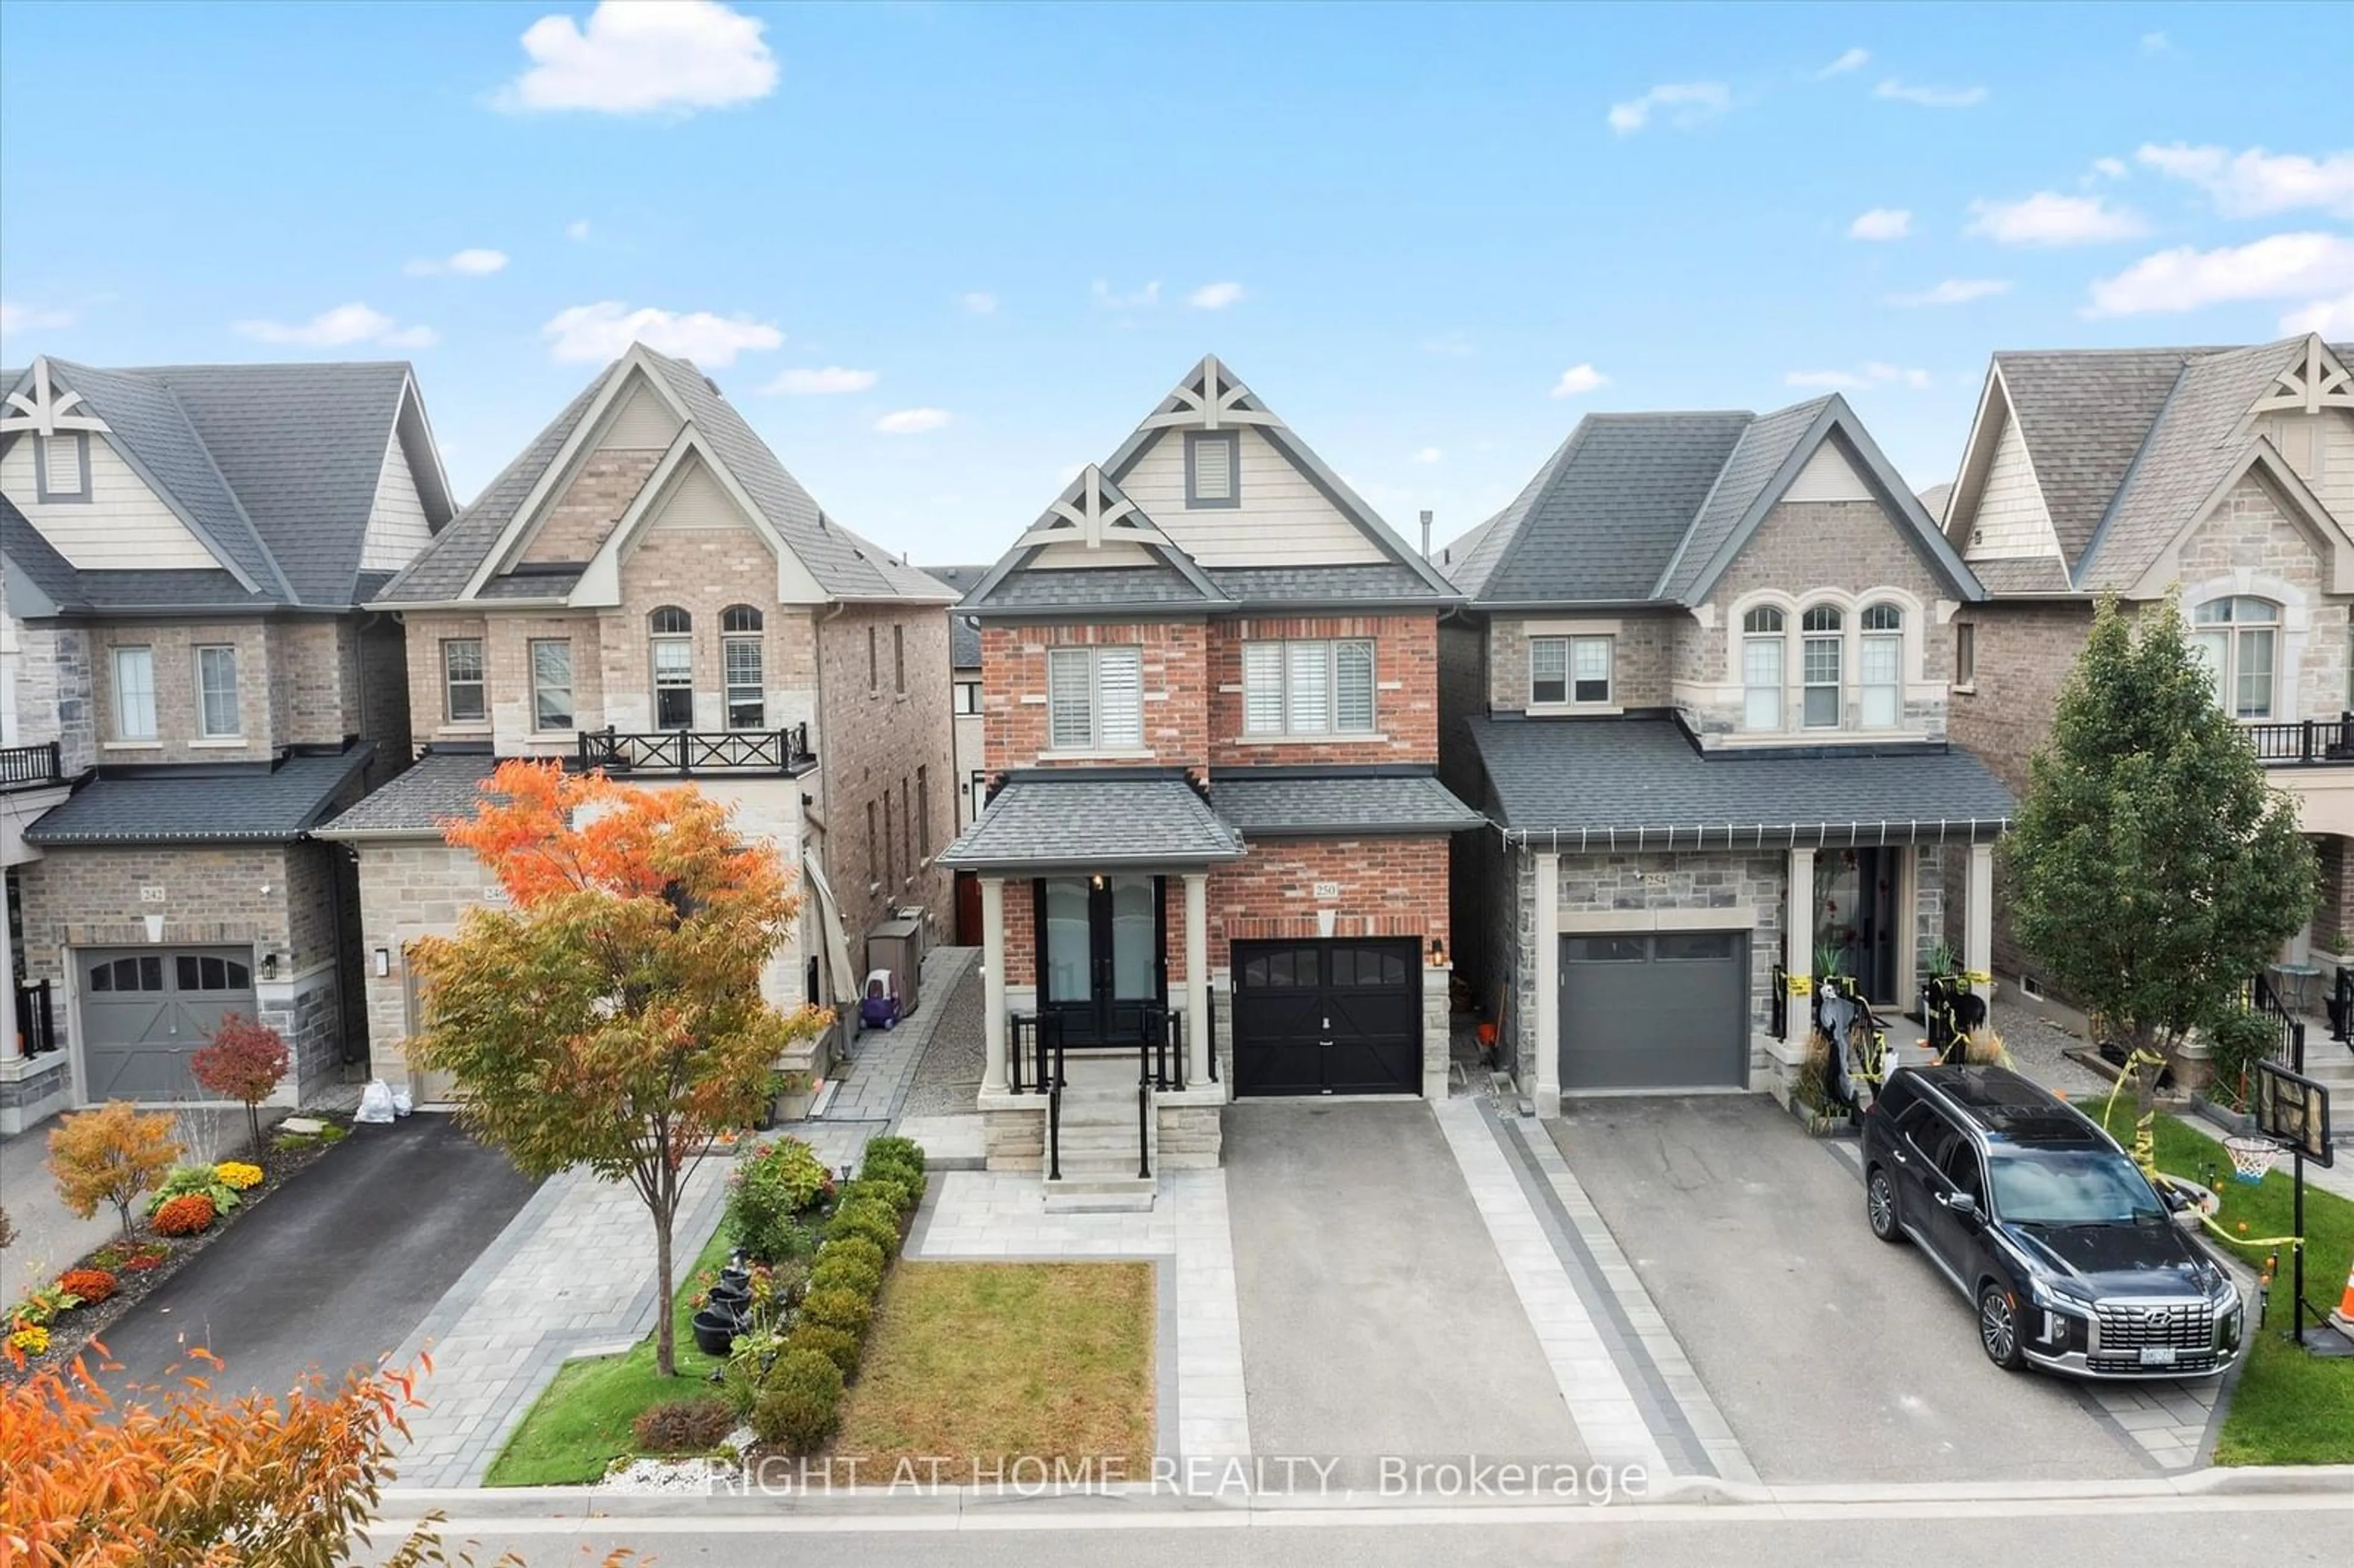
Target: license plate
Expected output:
[2158,1355]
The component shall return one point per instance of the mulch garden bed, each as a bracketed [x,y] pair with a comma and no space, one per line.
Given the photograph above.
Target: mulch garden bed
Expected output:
[137,1278]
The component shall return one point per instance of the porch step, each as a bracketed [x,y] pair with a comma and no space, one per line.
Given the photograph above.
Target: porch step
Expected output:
[1099,1195]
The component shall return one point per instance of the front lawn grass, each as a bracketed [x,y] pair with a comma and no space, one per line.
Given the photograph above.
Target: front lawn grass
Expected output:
[1000,1362]
[2290,1408]
[581,1422]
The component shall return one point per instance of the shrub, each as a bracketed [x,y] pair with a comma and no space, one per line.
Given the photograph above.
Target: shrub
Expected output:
[747,1371]
[236,1175]
[142,1258]
[902,1150]
[840,1348]
[2238,1039]
[41,1306]
[767,1194]
[840,1271]
[200,1180]
[837,1309]
[858,1247]
[184,1215]
[801,1408]
[92,1285]
[244,1061]
[871,1219]
[683,1425]
[890,1190]
[109,1155]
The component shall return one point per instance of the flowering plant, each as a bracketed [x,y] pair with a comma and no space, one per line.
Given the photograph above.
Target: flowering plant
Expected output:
[236,1175]
[184,1215]
[89,1285]
[32,1339]
[42,1304]
[141,1259]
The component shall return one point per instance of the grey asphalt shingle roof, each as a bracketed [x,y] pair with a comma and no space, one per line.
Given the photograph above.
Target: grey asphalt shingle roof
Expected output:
[447,565]
[1763,448]
[964,635]
[1088,587]
[191,806]
[1597,777]
[2023,573]
[1317,585]
[1284,801]
[440,786]
[2083,414]
[1094,818]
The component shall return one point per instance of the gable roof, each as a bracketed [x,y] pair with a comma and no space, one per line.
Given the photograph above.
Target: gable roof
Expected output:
[1092,510]
[273,802]
[1652,508]
[2083,415]
[273,468]
[466,561]
[964,634]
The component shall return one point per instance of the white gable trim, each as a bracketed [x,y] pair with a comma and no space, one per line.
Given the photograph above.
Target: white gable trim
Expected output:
[560,469]
[440,504]
[2304,508]
[2318,379]
[1098,514]
[600,587]
[1994,411]
[46,412]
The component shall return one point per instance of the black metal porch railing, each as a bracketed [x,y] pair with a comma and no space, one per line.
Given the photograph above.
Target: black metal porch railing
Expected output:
[37,1018]
[30,766]
[2310,741]
[2342,1006]
[2288,1029]
[1777,1019]
[686,752]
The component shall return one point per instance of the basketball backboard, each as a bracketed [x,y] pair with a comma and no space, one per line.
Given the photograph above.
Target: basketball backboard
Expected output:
[2294,1111]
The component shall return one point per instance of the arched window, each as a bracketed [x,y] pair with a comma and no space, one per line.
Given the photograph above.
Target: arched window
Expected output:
[672,629]
[1821,645]
[1761,669]
[2238,640]
[740,667]
[1880,665]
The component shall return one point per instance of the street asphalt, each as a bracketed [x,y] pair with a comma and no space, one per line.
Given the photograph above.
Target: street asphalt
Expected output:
[1833,1356]
[1377,1316]
[332,1270]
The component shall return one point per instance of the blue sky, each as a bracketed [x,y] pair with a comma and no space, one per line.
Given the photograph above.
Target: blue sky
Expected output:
[1430,237]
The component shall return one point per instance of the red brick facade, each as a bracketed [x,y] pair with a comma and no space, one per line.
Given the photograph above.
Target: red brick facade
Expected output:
[1405,690]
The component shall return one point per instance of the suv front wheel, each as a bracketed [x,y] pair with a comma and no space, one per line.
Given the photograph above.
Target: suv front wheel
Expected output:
[1880,1207]
[1998,1327]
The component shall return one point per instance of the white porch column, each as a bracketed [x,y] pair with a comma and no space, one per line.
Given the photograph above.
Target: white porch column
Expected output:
[1978,939]
[1198,977]
[992,984]
[11,1046]
[1547,1044]
[1798,938]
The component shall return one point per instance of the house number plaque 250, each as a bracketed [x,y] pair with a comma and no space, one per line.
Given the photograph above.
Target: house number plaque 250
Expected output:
[1327,891]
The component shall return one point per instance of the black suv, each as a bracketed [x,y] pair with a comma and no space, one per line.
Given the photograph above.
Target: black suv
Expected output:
[2071,1257]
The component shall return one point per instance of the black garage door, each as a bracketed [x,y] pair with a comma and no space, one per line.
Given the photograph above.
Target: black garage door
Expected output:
[1669,1010]
[1328,1017]
[146,1011]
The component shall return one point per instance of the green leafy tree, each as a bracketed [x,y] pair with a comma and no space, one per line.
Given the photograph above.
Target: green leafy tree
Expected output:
[2153,866]
[611,1018]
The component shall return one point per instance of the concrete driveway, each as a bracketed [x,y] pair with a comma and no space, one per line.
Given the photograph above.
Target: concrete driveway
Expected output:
[1831,1355]
[335,1269]
[1377,1316]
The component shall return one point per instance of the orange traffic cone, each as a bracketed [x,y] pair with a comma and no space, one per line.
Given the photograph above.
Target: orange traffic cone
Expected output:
[2343,1318]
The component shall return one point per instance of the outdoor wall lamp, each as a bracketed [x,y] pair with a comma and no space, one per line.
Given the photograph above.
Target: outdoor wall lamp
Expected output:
[1437,953]
[383,962]
[270,965]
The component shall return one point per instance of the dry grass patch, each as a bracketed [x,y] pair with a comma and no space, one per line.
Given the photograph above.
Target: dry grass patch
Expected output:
[995,1362]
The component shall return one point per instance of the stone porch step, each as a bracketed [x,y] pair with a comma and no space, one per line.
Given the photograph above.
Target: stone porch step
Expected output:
[1099,1195]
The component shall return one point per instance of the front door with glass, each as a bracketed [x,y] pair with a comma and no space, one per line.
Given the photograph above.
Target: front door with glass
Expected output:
[1100,941]
[1858,914]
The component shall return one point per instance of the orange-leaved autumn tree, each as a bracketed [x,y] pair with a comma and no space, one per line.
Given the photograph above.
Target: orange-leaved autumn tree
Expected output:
[110,1155]
[612,1016]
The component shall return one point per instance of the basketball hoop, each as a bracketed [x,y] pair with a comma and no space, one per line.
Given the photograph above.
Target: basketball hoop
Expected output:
[2252,1158]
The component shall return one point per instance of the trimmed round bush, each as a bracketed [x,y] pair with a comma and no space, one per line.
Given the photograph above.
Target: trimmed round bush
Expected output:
[801,1408]
[840,1271]
[870,1218]
[858,1247]
[844,1309]
[905,1149]
[837,1347]
[184,1215]
[92,1285]
[889,1187]
[683,1425]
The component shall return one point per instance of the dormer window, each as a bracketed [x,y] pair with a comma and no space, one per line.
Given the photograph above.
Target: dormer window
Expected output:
[672,629]
[1819,665]
[2238,639]
[1214,467]
[1564,669]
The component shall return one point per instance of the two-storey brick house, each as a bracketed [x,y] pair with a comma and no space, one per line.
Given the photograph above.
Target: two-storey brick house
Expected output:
[646,590]
[189,551]
[1211,726]
[1699,692]
[2221,477]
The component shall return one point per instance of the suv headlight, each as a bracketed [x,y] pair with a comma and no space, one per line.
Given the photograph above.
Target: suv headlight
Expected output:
[2056,1297]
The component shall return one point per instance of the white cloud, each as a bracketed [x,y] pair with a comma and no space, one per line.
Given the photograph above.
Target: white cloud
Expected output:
[979,302]
[1144,298]
[911,421]
[1872,373]
[1579,378]
[2254,183]
[1881,223]
[1214,296]
[14,317]
[1685,103]
[576,231]
[1930,97]
[2155,43]
[1953,292]
[465,263]
[643,56]
[594,334]
[2047,217]
[804,383]
[1428,454]
[340,328]
[2111,168]
[2330,318]
[1853,59]
[2281,266]
[1447,344]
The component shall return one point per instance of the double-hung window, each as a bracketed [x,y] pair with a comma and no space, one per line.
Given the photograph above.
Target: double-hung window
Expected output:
[741,666]
[216,715]
[1094,699]
[1880,666]
[672,634]
[967,697]
[463,699]
[1569,669]
[1823,630]
[1313,687]
[551,683]
[2238,639]
[1761,670]
[134,693]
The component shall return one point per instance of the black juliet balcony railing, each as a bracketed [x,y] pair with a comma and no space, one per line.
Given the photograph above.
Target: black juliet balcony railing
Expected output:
[2312,741]
[29,766]
[687,752]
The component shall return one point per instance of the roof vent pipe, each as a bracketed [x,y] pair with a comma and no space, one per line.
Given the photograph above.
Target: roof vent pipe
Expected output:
[1426,533]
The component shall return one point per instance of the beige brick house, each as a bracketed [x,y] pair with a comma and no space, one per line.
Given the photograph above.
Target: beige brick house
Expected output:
[1699,692]
[189,551]
[2223,477]
[1212,836]
[646,590]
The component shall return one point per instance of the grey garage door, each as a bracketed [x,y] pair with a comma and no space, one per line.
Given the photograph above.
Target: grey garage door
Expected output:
[144,1011]
[1669,1010]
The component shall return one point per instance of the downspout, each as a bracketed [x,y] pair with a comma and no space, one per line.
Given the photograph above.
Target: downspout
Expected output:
[843,985]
